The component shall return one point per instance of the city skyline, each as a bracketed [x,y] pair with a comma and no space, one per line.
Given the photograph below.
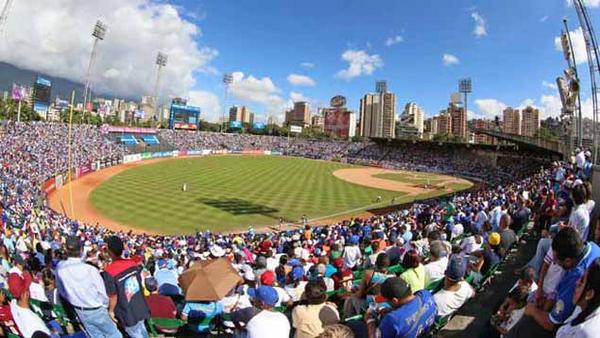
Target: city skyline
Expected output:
[420,49]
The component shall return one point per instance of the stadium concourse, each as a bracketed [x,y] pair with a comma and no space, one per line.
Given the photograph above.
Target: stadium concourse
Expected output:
[400,274]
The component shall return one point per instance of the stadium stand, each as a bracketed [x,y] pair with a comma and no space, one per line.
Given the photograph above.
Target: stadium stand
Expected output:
[420,264]
[129,140]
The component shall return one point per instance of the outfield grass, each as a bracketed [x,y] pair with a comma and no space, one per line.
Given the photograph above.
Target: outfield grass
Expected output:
[229,192]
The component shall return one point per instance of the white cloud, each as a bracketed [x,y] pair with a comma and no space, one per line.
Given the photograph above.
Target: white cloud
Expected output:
[297,97]
[549,85]
[578,44]
[489,108]
[392,40]
[262,91]
[359,63]
[544,18]
[480,29]
[300,80]
[58,42]
[449,60]
[551,105]
[208,102]
[307,65]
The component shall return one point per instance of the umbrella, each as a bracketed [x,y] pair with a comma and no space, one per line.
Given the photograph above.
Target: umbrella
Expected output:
[209,280]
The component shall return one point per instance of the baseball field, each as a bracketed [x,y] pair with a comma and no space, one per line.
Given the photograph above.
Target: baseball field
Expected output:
[226,193]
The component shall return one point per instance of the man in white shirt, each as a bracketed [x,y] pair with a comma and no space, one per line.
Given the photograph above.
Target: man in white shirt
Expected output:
[352,254]
[456,290]
[267,323]
[26,320]
[439,262]
[580,217]
[82,286]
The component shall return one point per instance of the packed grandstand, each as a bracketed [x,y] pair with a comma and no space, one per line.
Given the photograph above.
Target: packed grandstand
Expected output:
[404,273]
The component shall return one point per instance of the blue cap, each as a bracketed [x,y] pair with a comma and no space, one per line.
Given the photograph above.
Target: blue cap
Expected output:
[354,239]
[266,294]
[297,273]
[457,267]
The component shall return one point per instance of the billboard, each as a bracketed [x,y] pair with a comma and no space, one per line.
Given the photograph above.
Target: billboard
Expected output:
[61,104]
[183,116]
[337,101]
[41,95]
[18,93]
[139,114]
[258,126]
[295,129]
[235,124]
[337,123]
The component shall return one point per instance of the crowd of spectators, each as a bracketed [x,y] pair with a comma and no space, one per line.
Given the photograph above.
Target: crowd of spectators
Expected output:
[394,275]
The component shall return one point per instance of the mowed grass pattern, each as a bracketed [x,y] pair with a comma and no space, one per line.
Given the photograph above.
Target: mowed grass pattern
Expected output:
[228,193]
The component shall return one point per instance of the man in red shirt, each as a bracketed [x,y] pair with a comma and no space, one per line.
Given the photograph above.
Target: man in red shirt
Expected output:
[124,288]
[160,306]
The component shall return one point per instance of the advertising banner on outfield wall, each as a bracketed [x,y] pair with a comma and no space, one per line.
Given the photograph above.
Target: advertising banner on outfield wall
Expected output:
[83,170]
[194,152]
[49,185]
[206,151]
[58,181]
[183,153]
[277,153]
[267,152]
[132,158]
[252,152]
[175,153]
[146,156]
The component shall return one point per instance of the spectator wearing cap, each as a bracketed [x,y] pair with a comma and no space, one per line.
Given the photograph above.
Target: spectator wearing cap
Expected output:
[295,283]
[314,312]
[123,282]
[456,291]
[82,286]
[267,323]
[487,258]
[352,254]
[160,306]
[434,270]
[166,278]
[575,257]
[268,278]
[411,315]
[26,320]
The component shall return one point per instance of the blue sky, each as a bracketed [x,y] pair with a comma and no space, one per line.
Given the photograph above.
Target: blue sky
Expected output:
[286,50]
[508,60]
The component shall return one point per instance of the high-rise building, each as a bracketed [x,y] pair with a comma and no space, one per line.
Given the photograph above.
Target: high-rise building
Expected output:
[511,121]
[484,124]
[299,115]
[444,123]
[318,121]
[381,87]
[413,115]
[148,106]
[378,113]
[242,114]
[459,120]
[530,123]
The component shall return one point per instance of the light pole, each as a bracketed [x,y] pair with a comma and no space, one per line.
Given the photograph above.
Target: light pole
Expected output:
[161,61]
[98,34]
[227,81]
[572,62]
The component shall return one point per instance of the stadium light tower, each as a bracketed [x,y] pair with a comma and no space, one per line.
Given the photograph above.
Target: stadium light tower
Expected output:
[465,86]
[227,81]
[98,34]
[4,15]
[161,61]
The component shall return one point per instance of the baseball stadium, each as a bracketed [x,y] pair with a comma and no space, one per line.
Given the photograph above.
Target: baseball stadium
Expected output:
[185,215]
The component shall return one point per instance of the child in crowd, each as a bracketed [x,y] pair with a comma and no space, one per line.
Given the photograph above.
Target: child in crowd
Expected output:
[511,310]
[527,280]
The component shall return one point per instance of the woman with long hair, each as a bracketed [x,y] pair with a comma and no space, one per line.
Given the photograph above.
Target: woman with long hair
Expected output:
[586,317]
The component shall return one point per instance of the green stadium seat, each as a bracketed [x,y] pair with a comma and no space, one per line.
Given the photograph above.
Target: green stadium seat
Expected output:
[158,326]
[435,286]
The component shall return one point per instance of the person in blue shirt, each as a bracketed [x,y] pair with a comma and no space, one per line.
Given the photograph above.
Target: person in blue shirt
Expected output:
[575,257]
[410,316]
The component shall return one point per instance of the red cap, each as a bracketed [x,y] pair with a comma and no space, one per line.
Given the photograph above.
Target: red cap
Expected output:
[17,284]
[267,278]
